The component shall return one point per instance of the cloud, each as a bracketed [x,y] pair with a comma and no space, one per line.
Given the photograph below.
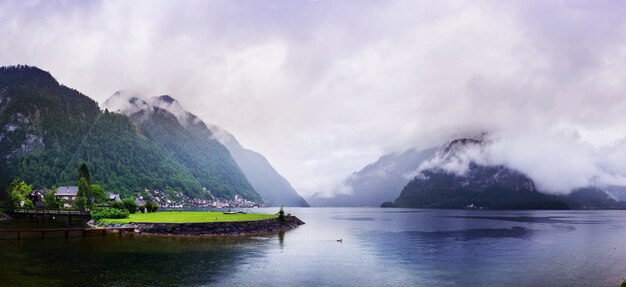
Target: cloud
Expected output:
[558,161]
[323,88]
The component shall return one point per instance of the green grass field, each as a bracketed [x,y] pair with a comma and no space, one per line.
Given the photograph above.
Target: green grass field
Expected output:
[187,217]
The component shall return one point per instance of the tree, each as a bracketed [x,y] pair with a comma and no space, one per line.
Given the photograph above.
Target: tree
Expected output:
[83,172]
[281,214]
[50,198]
[130,205]
[151,206]
[81,203]
[99,196]
[18,193]
[84,189]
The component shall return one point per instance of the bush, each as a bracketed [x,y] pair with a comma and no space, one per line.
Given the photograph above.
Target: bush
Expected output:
[107,212]
[141,208]
[116,204]
[151,206]
[81,203]
[130,205]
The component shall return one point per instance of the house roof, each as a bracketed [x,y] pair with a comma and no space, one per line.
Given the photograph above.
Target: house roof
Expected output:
[67,191]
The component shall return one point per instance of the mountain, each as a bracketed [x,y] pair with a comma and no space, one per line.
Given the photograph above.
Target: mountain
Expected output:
[47,130]
[272,186]
[492,187]
[188,129]
[207,159]
[378,182]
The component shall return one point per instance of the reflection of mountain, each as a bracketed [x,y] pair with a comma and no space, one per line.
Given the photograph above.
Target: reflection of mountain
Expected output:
[378,182]
[188,261]
[215,153]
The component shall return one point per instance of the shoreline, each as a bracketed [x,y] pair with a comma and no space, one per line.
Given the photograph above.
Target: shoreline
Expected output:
[223,228]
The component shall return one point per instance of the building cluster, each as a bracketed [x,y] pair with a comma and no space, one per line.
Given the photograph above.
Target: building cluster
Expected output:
[180,200]
[68,194]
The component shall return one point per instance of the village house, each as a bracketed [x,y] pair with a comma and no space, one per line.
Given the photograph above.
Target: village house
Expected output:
[68,194]
[113,197]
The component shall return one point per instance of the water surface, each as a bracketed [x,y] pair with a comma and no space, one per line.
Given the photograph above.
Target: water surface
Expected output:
[380,247]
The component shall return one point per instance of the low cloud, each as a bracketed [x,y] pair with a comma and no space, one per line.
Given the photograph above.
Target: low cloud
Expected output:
[558,161]
[322,88]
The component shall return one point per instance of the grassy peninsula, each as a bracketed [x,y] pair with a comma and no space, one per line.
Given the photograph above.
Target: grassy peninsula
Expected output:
[186,217]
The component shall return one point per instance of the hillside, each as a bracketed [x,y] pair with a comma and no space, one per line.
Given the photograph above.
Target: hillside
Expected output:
[271,186]
[491,187]
[43,123]
[377,182]
[208,160]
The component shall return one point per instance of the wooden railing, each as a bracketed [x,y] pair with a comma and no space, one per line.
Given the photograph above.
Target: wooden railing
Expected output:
[66,231]
[52,211]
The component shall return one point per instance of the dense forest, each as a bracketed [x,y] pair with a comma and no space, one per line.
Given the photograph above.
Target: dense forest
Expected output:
[493,187]
[208,160]
[43,124]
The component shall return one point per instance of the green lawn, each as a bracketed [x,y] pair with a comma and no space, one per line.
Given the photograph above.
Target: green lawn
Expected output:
[187,216]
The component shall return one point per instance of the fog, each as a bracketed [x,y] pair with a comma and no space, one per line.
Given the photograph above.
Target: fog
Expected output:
[558,161]
[322,88]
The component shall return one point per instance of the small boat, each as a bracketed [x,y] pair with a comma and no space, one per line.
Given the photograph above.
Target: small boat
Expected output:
[340,240]
[233,212]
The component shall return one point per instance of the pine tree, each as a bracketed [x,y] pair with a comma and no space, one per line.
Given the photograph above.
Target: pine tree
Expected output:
[83,172]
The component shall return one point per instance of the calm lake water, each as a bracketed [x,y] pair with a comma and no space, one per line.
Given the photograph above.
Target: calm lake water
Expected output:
[381,247]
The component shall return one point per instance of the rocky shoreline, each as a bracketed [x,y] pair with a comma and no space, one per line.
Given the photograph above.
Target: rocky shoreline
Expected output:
[234,228]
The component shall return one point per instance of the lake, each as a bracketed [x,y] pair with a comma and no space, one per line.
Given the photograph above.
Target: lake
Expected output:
[380,247]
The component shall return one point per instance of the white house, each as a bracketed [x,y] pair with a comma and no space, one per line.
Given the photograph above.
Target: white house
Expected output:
[68,194]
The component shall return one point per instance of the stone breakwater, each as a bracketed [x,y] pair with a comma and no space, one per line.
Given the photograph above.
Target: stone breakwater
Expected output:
[216,228]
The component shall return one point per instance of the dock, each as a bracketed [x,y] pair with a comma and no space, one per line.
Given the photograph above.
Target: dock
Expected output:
[36,213]
[66,231]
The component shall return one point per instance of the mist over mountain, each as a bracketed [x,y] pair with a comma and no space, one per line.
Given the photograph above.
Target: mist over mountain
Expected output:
[377,182]
[271,186]
[469,171]
[454,179]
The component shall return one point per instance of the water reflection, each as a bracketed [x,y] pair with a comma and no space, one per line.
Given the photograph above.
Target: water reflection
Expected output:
[281,239]
[533,219]
[473,234]
[138,261]
[381,247]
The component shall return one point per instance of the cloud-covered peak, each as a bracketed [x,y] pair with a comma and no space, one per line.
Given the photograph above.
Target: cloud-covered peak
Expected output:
[166,99]
[558,162]
[126,102]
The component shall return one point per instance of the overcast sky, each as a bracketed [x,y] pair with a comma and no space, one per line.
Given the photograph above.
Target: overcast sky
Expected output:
[322,88]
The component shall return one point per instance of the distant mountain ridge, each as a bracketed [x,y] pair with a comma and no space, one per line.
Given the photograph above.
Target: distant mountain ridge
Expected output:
[271,186]
[493,187]
[422,179]
[377,182]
